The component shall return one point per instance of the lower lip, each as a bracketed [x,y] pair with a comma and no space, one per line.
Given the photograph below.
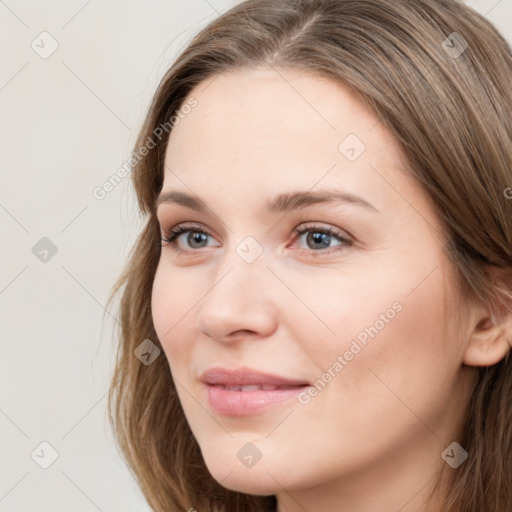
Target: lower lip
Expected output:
[245,403]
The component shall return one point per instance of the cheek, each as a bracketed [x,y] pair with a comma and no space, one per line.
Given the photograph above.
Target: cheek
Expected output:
[385,323]
[172,306]
[408,363]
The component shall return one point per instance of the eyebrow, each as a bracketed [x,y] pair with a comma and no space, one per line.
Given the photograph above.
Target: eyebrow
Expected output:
[281,203]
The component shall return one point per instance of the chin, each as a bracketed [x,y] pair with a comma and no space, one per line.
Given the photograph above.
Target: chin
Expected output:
[256,483]
[233,475]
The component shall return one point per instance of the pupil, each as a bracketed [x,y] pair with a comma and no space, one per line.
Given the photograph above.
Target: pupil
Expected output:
[320,238]
[196,237]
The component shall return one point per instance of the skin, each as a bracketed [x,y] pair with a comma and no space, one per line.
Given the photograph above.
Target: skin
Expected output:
[372,438]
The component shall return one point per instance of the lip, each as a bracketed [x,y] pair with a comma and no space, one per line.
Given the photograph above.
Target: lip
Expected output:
[228,402]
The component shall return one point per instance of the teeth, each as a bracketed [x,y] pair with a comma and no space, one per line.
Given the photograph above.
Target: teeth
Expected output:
[254,387]
[248,387]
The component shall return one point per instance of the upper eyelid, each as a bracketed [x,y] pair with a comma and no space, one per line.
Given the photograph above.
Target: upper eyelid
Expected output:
[305,225]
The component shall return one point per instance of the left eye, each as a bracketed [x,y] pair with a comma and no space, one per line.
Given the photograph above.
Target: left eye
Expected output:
[320,238]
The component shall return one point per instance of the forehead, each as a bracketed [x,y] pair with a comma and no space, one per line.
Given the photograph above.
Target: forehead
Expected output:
[261,129]
[265,108]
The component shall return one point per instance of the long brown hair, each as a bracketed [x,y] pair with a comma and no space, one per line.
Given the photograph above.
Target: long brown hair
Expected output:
[439,77]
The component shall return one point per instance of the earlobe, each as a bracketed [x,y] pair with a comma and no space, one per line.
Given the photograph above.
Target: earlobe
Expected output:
[490,342]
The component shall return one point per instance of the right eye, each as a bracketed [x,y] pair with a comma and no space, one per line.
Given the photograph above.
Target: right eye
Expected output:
[195,239]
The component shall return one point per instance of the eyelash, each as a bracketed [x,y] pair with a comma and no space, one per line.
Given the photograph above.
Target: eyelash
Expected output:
[170,238]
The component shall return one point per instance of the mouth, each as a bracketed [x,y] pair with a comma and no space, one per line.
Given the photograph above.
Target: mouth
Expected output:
[246,392]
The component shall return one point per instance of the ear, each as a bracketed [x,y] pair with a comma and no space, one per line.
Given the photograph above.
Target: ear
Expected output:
[491,337]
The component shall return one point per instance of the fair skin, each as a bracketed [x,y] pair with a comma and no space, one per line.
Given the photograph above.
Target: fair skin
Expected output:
[372,438]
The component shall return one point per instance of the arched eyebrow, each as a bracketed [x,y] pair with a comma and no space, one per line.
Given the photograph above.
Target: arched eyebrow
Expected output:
[282,203]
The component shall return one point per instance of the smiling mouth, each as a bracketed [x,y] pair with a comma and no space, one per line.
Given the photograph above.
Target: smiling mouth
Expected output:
[246,391]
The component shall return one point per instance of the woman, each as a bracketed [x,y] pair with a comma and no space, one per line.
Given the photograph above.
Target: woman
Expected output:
[317,314]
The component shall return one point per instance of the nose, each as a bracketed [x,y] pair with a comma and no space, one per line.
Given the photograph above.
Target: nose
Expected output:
[239,302]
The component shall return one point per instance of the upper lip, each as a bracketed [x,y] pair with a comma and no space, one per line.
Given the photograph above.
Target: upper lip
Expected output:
[245,377]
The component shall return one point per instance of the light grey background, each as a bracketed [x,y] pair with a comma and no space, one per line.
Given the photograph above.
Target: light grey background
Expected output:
[67,123]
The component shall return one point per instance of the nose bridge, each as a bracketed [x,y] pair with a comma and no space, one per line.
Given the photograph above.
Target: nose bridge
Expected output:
[242,266]
[238,298]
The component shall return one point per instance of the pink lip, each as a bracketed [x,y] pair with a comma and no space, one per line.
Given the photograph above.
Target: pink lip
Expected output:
[245,403]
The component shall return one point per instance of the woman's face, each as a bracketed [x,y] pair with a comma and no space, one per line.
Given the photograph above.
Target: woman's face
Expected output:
[352,319]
